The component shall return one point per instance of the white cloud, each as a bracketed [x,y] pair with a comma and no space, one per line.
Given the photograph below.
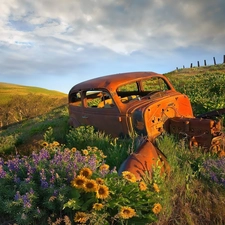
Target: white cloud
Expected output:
[62,37]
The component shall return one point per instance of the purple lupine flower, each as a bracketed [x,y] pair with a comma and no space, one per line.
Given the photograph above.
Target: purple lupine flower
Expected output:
[52,179]
[44,183]
[2,172]
[17,179]
[1,161]
[113,170]
[79,157]
[14,164]
[214,169]
[17,196]
[92,162]
[26,200]
[42,155]
[56,193]
[38,210]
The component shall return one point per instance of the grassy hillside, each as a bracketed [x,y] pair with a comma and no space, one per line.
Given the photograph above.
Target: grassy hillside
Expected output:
[19,103]
[193,193]
[7,91]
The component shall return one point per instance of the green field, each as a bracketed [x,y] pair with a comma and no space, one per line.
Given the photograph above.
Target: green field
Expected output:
[192,194]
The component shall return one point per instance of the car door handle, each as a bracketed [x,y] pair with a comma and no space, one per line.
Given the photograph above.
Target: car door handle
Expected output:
[84,117]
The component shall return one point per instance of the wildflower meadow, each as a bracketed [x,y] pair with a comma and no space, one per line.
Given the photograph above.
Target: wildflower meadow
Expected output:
[69,186]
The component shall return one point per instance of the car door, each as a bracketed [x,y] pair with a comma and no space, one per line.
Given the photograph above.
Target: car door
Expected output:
[101,112]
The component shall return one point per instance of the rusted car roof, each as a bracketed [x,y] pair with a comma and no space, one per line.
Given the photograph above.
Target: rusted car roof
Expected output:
[112,81]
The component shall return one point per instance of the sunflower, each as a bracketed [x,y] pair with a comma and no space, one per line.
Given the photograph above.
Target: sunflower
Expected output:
[85,151]
[55,143]
[98,206]
[73,150]
[142,186]
[90,185]
[156,208]
[104,167]
[156,188]
[81,217]
[102,192]
[78,182]
[86,172]
[44,144]
[99,180]
[129,176]
[127,212]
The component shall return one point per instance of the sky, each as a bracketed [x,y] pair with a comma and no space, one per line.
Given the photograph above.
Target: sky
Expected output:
[57,44]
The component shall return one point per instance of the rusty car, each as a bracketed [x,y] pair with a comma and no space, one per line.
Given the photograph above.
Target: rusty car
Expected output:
[144,104]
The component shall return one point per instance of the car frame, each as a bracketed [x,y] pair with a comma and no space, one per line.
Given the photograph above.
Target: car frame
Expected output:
[121,112]
[143,105]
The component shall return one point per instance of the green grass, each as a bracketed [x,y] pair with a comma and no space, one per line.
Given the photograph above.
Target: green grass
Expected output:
[25,137]
[188,196]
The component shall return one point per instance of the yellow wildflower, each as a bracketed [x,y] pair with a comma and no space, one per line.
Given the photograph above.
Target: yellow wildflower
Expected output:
[45,144]
[156,188]
[142,186]
[55,143]
[79,181]
[99,180]
[52,198]
[90,185]
[127,212]
[73,150]
[86,172]
[98,206]
[104,167]
[81,217]
[85,151]
[129,176]
[156,208]
[102,192]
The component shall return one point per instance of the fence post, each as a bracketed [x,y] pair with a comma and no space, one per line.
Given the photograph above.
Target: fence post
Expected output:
[198,64]
[191,65]
[205,62]
[223,58]
[214,59]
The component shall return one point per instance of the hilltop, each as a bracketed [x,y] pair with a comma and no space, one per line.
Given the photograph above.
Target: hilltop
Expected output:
[220,68]
[7,91]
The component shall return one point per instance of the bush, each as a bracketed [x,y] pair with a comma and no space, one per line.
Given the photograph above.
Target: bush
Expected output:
[66,185]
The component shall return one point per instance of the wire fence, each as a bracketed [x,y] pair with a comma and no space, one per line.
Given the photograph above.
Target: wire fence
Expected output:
[205,63]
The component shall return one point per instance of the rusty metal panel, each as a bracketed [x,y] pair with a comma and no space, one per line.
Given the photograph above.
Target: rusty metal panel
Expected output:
[199,132]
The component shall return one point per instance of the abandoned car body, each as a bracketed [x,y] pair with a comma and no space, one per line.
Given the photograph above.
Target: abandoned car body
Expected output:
[141,103]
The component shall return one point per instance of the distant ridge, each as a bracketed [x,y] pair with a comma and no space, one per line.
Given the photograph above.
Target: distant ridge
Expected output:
[8,90]
[24,88]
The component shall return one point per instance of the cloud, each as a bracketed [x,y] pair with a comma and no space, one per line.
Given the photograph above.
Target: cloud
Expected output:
[65,37]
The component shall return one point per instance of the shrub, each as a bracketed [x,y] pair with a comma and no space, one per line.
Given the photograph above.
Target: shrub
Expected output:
[62,184]
[117,150]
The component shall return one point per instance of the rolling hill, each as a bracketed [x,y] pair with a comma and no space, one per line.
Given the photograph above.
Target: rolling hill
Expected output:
[7,91]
